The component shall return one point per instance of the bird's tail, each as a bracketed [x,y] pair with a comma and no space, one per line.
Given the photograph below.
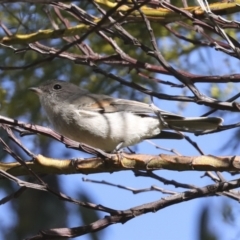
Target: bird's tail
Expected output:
[194,125]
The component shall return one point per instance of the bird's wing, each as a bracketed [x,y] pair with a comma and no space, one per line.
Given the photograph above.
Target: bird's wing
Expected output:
[106,104]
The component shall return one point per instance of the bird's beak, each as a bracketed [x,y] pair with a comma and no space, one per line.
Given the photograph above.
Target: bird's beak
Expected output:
[37,90]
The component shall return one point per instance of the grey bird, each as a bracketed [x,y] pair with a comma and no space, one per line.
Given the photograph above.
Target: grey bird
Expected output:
[111,123]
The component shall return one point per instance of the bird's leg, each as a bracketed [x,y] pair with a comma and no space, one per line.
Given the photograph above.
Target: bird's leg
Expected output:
[118,147]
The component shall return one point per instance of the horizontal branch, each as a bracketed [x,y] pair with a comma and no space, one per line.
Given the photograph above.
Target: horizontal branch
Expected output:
[167,15]
[157,15]
[125,215]
[121,162]
[46,34]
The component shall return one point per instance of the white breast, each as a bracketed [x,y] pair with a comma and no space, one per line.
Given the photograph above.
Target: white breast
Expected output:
[106,131]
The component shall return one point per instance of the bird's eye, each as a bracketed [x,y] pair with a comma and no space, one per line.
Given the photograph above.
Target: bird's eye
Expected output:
[57,86]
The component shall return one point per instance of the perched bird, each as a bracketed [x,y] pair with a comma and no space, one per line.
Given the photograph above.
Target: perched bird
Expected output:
[111,123]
